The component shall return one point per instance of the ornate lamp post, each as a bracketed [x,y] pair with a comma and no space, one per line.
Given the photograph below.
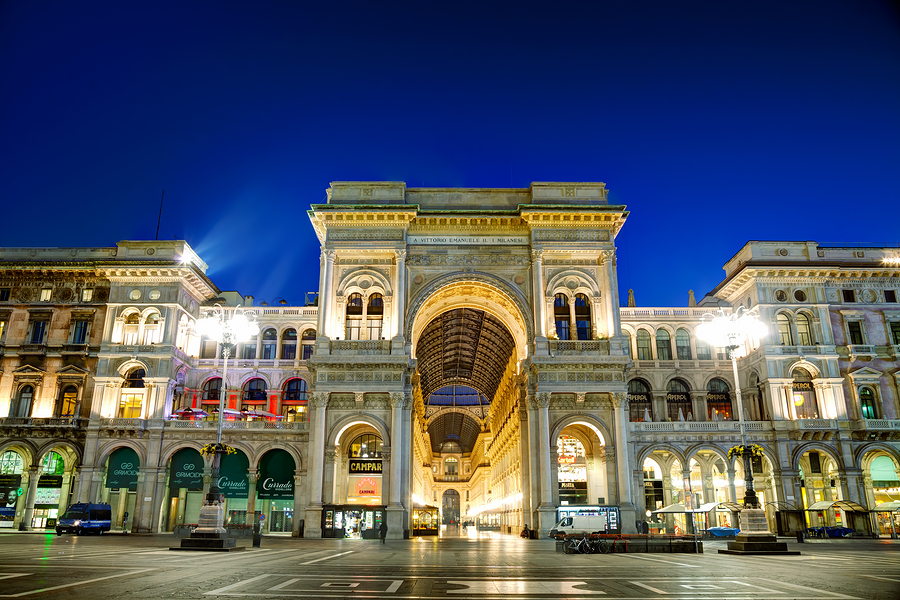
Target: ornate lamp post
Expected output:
[731,332]
[228,329]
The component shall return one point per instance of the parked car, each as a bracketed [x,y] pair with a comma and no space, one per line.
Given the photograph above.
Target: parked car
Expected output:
[85,518]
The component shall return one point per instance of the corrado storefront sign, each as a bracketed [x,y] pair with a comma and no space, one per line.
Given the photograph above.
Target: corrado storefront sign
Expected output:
[358,466]
[122,470]
[233,482]
[276,476]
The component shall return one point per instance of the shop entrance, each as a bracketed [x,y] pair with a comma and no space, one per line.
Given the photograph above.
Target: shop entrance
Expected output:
[354,522]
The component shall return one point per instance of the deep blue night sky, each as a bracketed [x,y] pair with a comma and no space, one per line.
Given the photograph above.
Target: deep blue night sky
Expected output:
[715,122]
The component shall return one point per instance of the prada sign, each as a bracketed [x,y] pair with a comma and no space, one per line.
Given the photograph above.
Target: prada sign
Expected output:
[573,485]
[371,467]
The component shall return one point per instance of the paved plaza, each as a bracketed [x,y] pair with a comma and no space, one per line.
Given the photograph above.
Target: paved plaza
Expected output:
[142,566]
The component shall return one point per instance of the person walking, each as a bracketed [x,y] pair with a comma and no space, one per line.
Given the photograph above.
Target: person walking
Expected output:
[383,530]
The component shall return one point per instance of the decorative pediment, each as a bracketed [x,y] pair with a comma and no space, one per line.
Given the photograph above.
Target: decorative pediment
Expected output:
[71,374]
[28,373]
[865,374]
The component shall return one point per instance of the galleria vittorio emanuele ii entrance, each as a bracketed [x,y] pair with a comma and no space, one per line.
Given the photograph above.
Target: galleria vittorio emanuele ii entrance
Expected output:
[470,332]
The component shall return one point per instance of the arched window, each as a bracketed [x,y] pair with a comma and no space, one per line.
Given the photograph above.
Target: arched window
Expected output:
[131,400]
[718,400]
[65,406]
[132,326]
[451,466]
[561,316]
[53,464]
[683,344]
[152,330]
[627,343]
[308,340]
[785,335]
[22,406]
[289,344]
[867,403]
[640,407]
[704,351]
[11,463]
[804,331]
[663,345]
[184,330]
[583,317]
[254,391]
[212,389]
[269,344]
[368,445]
[135,378]
[678,401]
[643,345]
[374,314]
[294,399]
[353,325]
[803,394]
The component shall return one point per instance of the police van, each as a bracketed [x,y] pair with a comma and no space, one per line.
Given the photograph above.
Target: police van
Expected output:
[85,518]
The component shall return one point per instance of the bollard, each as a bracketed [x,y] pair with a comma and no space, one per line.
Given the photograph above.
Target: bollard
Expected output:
[257,538]
[800,537]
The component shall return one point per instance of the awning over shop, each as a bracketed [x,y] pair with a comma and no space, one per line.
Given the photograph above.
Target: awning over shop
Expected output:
[672,508]
[888,507]
[845,505]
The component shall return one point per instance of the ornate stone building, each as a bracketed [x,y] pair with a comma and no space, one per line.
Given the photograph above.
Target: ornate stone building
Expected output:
[466,362]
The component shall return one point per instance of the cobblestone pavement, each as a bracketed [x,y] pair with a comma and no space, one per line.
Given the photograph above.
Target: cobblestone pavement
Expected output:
[143,567]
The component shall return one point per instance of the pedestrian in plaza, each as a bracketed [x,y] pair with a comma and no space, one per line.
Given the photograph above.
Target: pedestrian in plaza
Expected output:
[383,530]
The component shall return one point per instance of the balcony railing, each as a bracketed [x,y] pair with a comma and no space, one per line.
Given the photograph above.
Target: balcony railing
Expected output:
[881,424]
[41,422]
[339,347]
[254,425]
[724,426]
[816,424]
[579,347]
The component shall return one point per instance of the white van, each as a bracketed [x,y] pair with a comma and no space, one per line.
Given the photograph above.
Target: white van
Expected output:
[580,524]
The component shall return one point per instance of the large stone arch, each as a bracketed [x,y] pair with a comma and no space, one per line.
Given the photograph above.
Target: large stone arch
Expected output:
[581,418]
[169,451]
[335,434]
[802,449]
[477,290]
[648,451]
[269,446]
[690,452]
[104,452]
[865,454]
[23,448]
[455,409]
[365,281]
[72,452]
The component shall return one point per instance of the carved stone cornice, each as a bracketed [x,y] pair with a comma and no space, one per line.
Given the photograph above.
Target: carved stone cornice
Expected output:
[543,400]
[319,399]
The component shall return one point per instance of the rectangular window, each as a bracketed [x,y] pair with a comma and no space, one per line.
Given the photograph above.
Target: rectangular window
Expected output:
[584,329]
[895,331]
[643,348]
[38,331]
[856,333]
[663,349]
[703,351]
[562,330]
[2,331]
[4,294]
[849,296]
[80,332]
[289,351]
[890,296]
[248,351]
[87,295]
[815,465]
[45,294]
[721,353]
[353,329]
[268,351]
[307,351]
[374,329]
[208,349]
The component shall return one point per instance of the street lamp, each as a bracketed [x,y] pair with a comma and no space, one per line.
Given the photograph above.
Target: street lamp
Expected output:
[732,332]
[228,332]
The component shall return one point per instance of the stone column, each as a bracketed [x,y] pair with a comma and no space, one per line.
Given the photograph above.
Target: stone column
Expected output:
[326,293]
[611,305]
[534,470]
[546,509]
[396,443]
[28,514]
[525,463]
[732,492]
[400,293]
[537,270]
[295,522]
[623,468]
[67,481]
[328,472]
[252,478]
[316,465]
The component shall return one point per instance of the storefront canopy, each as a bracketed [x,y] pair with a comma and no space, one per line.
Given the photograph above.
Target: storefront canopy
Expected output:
[888,507]
[672,508]
[845,505]
[703,508]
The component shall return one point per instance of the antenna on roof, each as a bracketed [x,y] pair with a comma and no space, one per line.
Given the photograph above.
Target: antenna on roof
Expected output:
[160,214]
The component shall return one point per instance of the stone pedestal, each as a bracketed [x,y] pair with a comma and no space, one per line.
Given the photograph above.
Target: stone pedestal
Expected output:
[755,537]
[210,536]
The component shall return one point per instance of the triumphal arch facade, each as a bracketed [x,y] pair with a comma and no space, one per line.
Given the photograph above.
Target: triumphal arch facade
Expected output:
[468,358]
